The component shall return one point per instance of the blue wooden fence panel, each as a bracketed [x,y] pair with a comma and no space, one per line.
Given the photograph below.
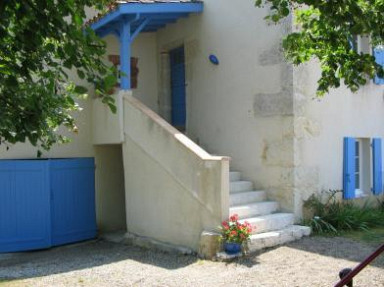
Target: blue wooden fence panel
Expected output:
[24,205]
[46,203]
[73,200]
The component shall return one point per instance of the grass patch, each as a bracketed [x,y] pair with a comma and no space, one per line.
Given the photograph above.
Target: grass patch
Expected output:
[374,236]
[338,216]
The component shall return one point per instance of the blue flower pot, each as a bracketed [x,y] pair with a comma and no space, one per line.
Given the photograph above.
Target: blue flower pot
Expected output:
[232,248]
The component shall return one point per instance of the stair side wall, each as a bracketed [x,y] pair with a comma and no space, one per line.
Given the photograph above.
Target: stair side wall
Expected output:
[174,191]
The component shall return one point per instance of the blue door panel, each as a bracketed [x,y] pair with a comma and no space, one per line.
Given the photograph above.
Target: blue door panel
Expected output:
[73,201]
[178,102]
[45,203]
[24,206]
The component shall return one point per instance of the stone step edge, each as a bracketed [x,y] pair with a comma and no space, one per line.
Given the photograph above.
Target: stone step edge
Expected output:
[246,191]
[270,217]
[211,249]
[278,237]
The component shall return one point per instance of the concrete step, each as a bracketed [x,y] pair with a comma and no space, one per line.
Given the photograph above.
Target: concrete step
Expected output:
[268,239]
[239,186]
[270,222]
[234,176]
[240,198]
[274,238]
[254,209]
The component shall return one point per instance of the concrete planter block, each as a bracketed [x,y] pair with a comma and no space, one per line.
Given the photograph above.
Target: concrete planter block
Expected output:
[209,244]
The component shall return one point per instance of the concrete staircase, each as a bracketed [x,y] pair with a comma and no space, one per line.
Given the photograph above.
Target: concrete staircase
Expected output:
[270,227]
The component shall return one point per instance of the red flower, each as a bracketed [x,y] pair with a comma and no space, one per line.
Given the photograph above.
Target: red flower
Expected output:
[234,232]
[234,217]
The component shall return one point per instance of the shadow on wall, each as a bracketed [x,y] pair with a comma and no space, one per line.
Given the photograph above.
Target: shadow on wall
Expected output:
[84,256]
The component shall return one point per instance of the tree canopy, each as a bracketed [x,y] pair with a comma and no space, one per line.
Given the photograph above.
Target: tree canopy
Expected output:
[326,29]
[41,41]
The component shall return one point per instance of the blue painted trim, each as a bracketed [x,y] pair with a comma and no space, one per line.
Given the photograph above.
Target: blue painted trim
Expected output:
[162,12]
[349,184]
[379,58]
[125,55]
[377,166]
[106,30]
[139,29]
[129,8]
[109,18]
[164,15]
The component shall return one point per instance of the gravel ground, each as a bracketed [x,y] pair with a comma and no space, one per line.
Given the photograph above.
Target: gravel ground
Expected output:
[313,261]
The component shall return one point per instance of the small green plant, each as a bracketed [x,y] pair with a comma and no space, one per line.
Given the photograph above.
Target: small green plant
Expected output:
[335,216]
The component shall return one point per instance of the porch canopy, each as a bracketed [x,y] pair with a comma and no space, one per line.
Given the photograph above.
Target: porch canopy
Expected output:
[126,19]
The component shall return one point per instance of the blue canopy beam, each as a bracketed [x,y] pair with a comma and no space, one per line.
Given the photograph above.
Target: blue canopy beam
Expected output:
[125,55]
[154,8]
[139,28]
[129,19]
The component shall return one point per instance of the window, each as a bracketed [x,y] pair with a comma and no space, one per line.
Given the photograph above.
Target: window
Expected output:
[362,167]
[378,53]
[362,44]
[363,177]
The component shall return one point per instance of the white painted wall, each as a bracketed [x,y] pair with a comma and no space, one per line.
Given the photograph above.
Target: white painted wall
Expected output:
[174,190]
[321,125]
[242,108]
[81,145]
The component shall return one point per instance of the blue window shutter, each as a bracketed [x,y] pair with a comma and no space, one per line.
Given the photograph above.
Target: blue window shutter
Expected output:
[377,166]
[378,53]
[349,168]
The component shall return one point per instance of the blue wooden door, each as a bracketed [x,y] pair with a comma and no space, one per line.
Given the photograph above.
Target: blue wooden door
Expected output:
[24,205]
[45,203]
[73,200]
[178,103]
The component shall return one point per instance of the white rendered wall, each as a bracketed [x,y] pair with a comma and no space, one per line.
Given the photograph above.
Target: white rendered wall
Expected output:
[80,146]
[174,190]
[321,125]
[242,107]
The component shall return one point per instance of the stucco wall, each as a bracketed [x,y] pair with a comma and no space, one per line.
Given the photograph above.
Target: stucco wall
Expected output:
[242,108]
[174,189]
[80,146]
[321,125]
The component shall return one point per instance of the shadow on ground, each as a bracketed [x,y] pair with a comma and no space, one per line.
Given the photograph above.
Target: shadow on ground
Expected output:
[81,256]
[340,248]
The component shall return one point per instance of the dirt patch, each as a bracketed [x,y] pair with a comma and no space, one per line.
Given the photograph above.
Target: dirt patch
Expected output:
[313,261]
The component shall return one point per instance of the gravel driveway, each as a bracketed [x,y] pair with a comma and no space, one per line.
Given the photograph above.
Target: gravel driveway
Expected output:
[313,261]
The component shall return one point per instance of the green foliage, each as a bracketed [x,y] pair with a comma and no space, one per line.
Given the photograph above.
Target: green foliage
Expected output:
[326,28]
[335,216]
[41,41]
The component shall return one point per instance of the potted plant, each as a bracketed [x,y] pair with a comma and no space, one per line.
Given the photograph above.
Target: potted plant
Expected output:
[235,234]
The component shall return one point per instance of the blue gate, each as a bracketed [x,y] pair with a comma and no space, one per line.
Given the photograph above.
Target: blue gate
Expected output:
[46,203]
